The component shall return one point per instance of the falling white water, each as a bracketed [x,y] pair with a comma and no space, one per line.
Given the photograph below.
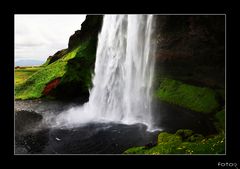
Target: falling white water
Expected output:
[124,71]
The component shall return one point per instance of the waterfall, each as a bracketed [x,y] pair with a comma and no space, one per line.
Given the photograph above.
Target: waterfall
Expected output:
[123,73]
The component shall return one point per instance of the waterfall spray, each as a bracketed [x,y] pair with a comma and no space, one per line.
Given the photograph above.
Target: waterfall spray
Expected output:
[123,73]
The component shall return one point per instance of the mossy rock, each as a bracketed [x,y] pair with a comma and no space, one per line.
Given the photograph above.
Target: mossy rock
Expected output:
[213,145]
[195,138]
[199,99]
[220,120]
[165,137]
[164,148]
[78,77]
[173,144]
[184,133]
[136,150]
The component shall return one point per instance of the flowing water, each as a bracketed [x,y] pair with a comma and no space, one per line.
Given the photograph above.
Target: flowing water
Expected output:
[123,74]
[119,112]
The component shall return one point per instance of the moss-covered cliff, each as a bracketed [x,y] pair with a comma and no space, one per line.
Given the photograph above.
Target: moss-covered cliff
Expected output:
[190,61]
[66,74]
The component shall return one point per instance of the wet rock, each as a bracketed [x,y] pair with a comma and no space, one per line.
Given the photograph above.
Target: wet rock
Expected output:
[33,142]
[20,150]
[25,119]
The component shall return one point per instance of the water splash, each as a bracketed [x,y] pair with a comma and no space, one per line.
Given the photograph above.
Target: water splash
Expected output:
[124,71]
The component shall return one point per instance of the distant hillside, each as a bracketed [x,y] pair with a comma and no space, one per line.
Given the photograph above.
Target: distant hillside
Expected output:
[28,62]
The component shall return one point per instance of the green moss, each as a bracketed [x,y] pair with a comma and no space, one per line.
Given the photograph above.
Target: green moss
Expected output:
[34,85]
[164,148]
[173,144]
[213,145]
[135,150]
[74,67]
[80,67]
[184,133]
[195,138]
[220,120]
[200,99]
[167,137]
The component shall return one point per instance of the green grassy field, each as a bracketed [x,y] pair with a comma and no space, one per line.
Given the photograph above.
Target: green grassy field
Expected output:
[23,73]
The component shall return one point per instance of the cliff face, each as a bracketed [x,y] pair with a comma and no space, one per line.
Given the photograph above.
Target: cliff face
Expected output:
[77,79]
[190,74]
[89,28]
[192,49]
[190,64]
[66,74]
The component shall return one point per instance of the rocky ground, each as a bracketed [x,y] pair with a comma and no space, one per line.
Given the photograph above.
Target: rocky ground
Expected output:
[34,135]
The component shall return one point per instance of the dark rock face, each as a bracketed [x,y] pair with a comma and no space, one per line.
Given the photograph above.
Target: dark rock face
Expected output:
[192,49]
[89,28]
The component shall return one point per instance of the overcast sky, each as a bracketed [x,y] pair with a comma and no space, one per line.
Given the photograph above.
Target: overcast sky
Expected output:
[40,36]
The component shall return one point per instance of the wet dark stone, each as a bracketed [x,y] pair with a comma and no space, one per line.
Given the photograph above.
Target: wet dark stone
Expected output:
[24,119]
[170,118]
[32,142]
[95,138]
[100,138]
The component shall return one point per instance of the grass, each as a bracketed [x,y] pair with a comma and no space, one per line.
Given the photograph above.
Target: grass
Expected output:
[23,73]
[200,99]
[80,67]
[31,87]
[176,144]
